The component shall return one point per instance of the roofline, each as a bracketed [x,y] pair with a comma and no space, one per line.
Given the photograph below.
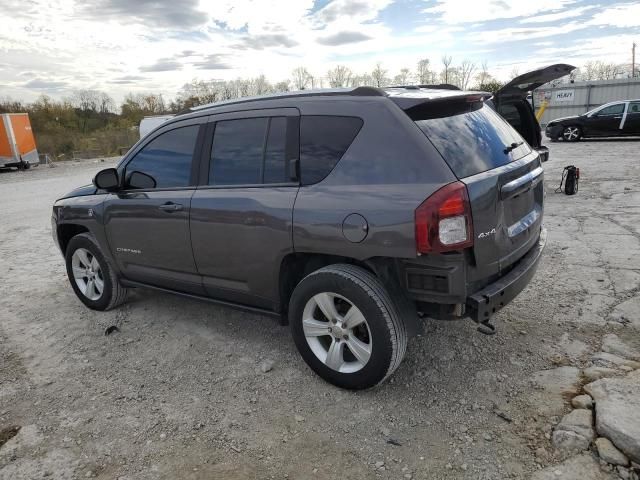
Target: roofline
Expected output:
[329,92]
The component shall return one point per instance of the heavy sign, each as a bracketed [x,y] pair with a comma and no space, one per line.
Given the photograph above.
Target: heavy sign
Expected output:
[563,95]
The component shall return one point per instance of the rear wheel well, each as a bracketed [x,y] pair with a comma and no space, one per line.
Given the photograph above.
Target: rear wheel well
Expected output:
[67,231]
[295,266]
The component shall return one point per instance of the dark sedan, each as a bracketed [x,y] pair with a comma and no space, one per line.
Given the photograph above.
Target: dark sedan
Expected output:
[612,119]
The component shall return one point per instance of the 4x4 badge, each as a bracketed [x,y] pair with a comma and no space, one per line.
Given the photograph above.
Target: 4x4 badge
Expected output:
[486,234]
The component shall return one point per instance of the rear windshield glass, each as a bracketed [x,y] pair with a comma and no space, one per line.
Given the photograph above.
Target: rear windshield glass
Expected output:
[472,138]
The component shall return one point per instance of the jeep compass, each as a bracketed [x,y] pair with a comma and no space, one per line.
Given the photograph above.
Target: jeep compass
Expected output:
[347,213]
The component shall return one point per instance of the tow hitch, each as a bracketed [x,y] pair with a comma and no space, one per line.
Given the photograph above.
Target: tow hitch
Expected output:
[487,328]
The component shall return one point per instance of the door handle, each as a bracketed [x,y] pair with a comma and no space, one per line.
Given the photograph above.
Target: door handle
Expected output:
[170,207]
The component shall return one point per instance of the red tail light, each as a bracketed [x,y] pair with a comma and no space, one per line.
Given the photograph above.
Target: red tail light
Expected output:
[443,221]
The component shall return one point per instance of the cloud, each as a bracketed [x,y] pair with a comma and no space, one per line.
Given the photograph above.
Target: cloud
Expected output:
[260,42]
[183,14]
[515,34]
[162,65]
[212,62]
[558,16]
[352,10]
[342,38]
[126,79]
[38,83]
[467,11]
[618,16]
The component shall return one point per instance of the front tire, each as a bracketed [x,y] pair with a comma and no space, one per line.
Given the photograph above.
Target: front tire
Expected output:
[91,276]
[571,134]
[346,326]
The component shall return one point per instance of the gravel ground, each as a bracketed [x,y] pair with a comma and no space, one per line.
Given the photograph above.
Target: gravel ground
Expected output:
[179,392]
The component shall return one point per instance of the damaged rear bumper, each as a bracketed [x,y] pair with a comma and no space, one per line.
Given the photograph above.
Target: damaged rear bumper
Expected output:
[486,302]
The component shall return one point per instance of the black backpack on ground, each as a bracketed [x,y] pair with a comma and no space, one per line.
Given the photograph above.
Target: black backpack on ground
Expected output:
[570,178]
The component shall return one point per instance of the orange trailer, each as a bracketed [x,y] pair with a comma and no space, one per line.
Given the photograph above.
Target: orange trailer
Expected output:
[17,144]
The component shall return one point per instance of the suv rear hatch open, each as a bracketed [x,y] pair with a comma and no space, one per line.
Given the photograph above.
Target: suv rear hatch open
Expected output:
[502,174]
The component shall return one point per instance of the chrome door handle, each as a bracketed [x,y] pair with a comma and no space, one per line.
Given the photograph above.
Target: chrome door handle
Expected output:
[170,207]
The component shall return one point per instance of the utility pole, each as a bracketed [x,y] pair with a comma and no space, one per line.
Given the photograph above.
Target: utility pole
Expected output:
[633,60]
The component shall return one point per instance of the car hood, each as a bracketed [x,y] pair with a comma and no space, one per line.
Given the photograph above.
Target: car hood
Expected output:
[562,119]
[82,191]
[522,84]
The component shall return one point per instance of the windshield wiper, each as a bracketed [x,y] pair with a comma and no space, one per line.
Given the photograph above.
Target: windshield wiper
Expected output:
[511,147]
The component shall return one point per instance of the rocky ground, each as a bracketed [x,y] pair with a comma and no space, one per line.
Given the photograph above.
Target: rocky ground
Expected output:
[190,390]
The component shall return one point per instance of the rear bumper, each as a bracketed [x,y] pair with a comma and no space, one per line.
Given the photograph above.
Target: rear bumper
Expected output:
[489,300]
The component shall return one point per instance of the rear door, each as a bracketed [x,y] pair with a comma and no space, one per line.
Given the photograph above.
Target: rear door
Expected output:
[148,228]
[504,181]
[631,124]
[241,217]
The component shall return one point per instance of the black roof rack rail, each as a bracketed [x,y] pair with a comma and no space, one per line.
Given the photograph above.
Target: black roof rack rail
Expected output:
[439,86]
[356,91]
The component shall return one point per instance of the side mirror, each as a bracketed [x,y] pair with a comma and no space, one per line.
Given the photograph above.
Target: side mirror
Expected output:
[140,180]
[107,179]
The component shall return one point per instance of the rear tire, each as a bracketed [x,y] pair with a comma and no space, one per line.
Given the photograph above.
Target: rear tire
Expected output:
[92,277]
[571,134]
[362,338]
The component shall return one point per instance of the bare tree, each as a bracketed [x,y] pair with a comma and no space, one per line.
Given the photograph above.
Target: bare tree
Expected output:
[446,72]
[483,75]
[379,76]
[466,71]
[340,76]
[281,86]
[599,70]
[260,85]
[86,100]
[515,71]
[301,78]
[403,78]
[424,73]
[362,80]
[106,103]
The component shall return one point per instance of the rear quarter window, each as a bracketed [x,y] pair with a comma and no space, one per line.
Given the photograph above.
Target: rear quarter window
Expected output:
[323,142]
[472,138]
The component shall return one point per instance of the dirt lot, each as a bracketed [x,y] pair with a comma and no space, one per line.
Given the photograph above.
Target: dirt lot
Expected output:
[179,391]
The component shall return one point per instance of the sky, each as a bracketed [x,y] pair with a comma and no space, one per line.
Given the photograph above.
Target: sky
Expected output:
[54,47]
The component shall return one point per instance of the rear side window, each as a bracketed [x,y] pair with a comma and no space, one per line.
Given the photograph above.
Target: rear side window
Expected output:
[249,151]
[323,142]
[471,139]
[167,158]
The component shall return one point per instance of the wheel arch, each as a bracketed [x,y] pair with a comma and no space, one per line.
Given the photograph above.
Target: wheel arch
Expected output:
[296,266]
[66,231]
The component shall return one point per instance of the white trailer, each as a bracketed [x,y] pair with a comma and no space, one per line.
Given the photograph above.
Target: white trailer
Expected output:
[151,122]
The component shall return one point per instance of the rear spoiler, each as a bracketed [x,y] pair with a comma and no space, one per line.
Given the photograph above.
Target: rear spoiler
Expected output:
[411,99]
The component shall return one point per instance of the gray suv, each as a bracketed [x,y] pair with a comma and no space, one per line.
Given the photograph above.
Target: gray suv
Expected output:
[346,213]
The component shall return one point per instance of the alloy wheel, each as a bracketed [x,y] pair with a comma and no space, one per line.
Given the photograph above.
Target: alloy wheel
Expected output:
[87,273]
[571,133]
[337,332]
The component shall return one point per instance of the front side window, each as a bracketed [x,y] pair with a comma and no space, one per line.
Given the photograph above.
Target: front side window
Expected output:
[167,158]
[616,109]
[249,151]
[634,107]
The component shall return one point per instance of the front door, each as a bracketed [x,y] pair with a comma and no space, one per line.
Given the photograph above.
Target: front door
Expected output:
[241,219]
[605,122]
[147,222]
